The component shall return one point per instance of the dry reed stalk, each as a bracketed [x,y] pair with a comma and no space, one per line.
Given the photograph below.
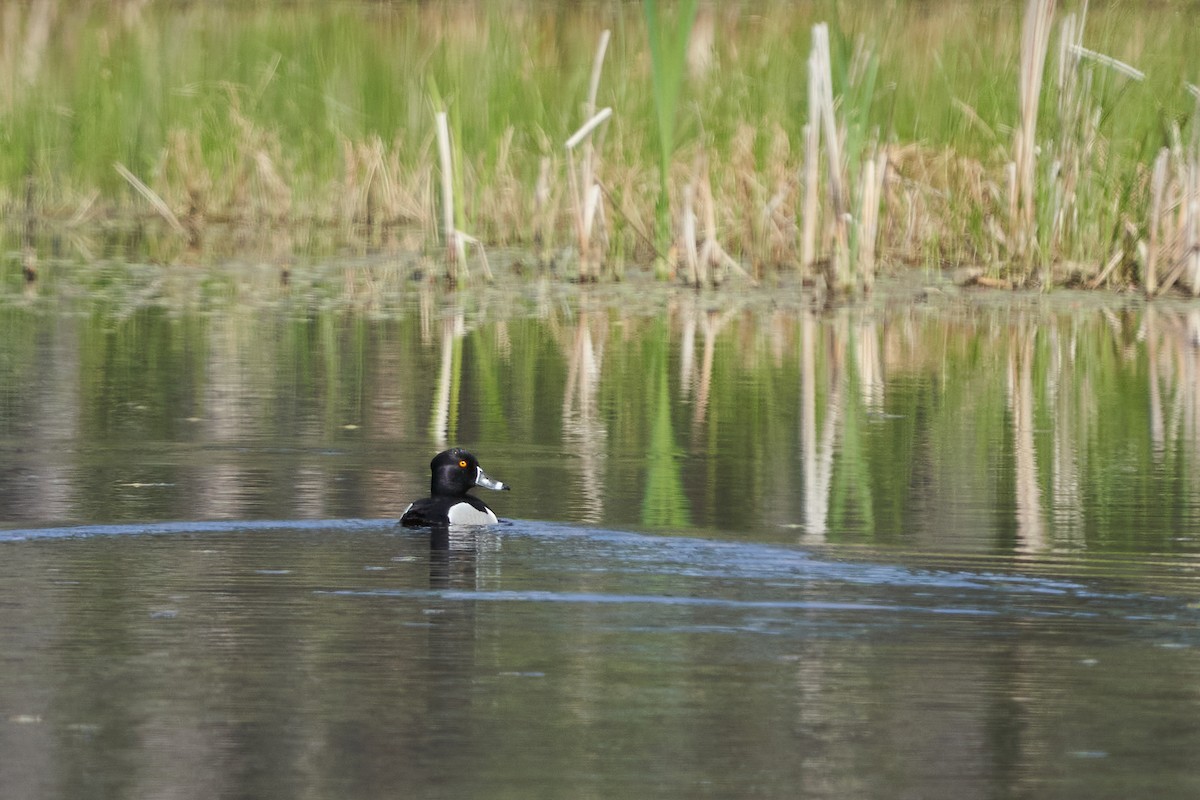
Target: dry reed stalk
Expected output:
[1176,242]
[838,277]
[712,253]
[260,149]
[687,233]
[811,196]
[1158,187]
[278,200]
[1192,241]
[151,197]
[874,174]
[778,230]
[1108,61]
[1072,139]
[702,262]
[455,247]
[1114,260]
[456,240]
[1188,177]
[183,162]
[1014,204]
[586,194]
[543,210]
[1035,37]
[84,212]
[507,212]
[347,209]
[1074,148]
[585,197]
[424,193]
[371,196]
[742,170]
[411,189]
[185,155]
[500,202]
[589,109]
[37,37]
[29,233]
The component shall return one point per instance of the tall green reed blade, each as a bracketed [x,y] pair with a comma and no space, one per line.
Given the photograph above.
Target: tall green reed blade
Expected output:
[668,41]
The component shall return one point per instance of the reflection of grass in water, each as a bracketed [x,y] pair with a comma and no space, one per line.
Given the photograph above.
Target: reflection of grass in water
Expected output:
[489,386]
[664,505]
[851,496]
[119,375]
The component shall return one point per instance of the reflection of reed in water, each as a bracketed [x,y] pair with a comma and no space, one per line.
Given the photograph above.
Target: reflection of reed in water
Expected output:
[1031,534]
[712,324]
[583,431]
[868,359]
[1173,350]
[443,421]
[1064,385]
[816,453]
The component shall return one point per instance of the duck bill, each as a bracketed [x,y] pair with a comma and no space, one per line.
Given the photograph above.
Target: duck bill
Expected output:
[481,479]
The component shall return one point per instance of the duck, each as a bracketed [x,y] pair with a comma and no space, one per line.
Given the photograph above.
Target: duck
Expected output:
[455,472]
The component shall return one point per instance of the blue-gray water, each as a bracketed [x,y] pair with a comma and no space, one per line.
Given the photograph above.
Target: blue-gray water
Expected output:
[919,550]
[348,658]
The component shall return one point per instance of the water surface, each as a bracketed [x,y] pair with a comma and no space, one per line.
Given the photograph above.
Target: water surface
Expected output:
[349,658]
[929,546]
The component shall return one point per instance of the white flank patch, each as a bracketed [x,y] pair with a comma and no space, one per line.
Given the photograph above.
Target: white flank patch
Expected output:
[466,514]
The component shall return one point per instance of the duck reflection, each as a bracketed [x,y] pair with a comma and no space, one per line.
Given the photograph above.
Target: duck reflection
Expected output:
[463,557]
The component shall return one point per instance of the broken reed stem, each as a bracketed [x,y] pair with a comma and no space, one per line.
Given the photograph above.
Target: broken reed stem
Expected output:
[1035,38]
[587,128]
[712,255]
[585,192]
[1113,262]
[1173,220]
[701,253]
[589,110]
[1108,61]
[145,191]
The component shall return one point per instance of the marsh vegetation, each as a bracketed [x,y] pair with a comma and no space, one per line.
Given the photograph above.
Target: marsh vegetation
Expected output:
[1030,143]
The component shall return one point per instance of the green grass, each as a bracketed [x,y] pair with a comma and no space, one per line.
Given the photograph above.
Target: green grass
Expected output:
[287,85]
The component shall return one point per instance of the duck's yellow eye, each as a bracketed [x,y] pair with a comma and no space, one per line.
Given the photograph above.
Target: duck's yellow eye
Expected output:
[462,464]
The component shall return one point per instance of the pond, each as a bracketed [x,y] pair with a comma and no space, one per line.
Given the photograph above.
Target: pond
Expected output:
[931,545]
